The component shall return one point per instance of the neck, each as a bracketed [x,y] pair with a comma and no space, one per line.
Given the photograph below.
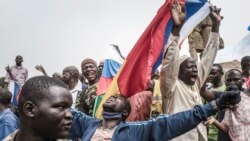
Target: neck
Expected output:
[18,65]
[108,124]
[93,82]
[72,84]
[28,135]
[218,84]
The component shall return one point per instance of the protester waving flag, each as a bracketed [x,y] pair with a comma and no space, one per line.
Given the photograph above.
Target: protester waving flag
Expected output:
[135,73]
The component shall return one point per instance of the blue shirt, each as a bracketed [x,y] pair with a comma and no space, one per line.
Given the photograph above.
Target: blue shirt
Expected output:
[159,129]
[8,123]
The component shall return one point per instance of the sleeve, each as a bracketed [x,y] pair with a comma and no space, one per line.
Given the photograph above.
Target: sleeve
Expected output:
[170,68]
[80,124]
[208,57]
[11,124]
[166,128]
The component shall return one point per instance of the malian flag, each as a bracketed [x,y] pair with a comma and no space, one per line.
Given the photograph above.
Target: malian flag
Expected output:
[15,89]
[145,57]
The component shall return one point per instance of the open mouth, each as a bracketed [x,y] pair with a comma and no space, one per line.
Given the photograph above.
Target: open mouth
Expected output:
[90,75]
[193,77]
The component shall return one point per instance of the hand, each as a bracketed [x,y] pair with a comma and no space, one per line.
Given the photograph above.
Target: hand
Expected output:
[7,68]
[229,99]
[178,13]
[209,121]
[39,68]
[216,18]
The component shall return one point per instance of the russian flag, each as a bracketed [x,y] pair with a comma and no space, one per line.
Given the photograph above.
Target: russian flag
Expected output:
[15,89]
[135,73]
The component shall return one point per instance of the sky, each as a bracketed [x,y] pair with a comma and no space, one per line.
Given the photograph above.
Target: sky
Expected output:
[61,33]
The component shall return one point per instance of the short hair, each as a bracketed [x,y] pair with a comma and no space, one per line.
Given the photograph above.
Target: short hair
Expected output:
[231,70]
[73,71]
[5,96]
[19,56]
[36,88]
[220,67]
[245,61]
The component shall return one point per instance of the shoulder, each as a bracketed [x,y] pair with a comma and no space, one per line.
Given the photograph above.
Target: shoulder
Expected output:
[11,137]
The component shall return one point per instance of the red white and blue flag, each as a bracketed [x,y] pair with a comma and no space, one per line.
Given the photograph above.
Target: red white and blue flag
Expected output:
[145,57]
[15,89]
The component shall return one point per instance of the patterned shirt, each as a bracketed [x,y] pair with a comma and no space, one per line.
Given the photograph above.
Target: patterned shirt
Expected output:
[238,122]
[89,98]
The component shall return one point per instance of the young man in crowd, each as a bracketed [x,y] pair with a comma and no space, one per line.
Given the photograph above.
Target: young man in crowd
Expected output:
[71,78]
[215,85]
[117,108]
[44,109]
[245,66]
[181,78]
[16,72]
[215,79]
[8,120]
[90,72]
[236,120]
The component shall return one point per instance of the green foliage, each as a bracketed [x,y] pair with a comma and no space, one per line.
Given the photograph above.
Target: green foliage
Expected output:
[2,82]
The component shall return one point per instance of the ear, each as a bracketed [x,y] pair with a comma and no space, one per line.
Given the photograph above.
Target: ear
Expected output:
[243,80]
[125,113]
[29,109]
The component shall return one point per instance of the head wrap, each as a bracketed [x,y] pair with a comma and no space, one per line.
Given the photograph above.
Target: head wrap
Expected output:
[183,58]
[88,60]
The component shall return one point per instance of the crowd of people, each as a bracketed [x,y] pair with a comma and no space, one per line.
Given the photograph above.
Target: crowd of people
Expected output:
[186,100]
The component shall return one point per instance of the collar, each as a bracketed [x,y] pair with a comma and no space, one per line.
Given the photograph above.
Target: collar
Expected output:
[78,87]
[18,67]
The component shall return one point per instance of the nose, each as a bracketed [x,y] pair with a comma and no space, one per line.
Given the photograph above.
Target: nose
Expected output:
[194,69]
[68,115]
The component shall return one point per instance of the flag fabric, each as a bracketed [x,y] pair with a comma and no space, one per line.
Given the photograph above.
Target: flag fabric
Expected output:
[110,68]
[135,73]
[15,89]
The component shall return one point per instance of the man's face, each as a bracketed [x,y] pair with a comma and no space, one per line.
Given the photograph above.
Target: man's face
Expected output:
[66,77]
[234,78]
[90,72]
[215,75]
[114,104]
[56,76]
[100,68]
[53,117]
[188,71]
[19,60]
[246,68]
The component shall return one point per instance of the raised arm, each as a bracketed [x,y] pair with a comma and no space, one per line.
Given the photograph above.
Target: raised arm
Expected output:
[41,69]
[211,48]
[170,62]
[206,94]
